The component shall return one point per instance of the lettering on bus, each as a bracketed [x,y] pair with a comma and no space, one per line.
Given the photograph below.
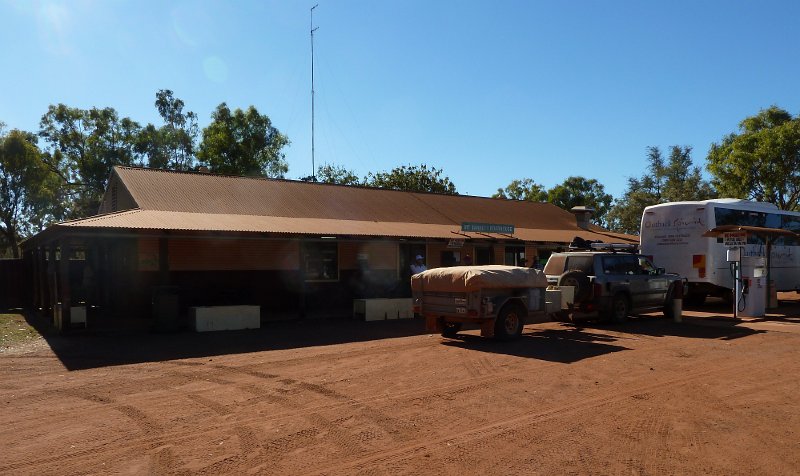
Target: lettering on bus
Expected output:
[675,231]
[779,255]
[678,223]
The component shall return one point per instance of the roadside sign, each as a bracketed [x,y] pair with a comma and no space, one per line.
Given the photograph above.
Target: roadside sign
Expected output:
[734,238]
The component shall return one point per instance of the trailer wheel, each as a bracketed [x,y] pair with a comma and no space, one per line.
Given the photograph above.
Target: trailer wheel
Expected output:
[510,322]
[450,329]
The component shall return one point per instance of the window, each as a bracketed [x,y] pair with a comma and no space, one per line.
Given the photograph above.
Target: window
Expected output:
[450,258]
[321,261]
[515,256]
[613,265]
[483,255]
[581,263]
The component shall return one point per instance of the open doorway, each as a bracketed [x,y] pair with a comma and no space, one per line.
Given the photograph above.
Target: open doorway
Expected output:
[408,253]
[483,255]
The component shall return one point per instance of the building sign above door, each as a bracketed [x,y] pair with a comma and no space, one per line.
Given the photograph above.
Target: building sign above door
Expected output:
[487,228]
[455,243]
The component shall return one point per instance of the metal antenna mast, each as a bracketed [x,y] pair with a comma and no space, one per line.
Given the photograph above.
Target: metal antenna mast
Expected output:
[313,165]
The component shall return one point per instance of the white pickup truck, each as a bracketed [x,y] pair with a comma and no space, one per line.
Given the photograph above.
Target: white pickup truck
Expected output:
[499,299]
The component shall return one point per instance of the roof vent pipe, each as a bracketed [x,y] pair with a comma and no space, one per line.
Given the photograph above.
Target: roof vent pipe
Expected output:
[582,215]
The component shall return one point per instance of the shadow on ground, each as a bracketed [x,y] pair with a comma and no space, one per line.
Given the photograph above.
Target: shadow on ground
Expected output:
[573,342]
[88,349]
[566,345]
[569,342]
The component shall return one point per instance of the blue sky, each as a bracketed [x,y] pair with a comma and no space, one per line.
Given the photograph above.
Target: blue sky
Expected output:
[487,91]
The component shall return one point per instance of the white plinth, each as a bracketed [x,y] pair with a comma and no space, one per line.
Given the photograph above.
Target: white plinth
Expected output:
[383,309]
[225,318]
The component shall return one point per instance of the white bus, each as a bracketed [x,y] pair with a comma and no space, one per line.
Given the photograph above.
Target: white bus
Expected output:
[671,235]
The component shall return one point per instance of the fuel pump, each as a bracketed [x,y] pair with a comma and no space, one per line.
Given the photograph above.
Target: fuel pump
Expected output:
[735,263]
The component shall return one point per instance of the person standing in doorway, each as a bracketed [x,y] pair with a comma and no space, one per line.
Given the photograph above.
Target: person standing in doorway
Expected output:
[418,265]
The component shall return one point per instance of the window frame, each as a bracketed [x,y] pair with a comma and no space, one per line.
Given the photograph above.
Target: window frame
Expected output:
[311,251]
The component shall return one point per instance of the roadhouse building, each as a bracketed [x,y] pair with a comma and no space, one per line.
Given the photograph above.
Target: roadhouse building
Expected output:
[180,239]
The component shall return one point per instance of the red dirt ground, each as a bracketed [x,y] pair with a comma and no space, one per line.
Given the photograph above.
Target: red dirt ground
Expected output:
[708,396]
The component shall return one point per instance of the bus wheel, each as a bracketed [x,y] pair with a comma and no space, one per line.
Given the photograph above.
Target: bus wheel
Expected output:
[450,329]
[695,298]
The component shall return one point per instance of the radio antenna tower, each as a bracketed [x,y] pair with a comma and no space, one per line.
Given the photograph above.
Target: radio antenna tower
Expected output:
[313,165]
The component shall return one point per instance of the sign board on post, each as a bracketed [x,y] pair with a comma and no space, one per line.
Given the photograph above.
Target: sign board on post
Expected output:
[734,239]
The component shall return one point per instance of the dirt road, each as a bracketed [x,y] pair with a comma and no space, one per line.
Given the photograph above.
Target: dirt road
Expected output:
[647,397]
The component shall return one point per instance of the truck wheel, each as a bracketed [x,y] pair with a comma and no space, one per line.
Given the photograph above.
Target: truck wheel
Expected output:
[579,280]
[450,329]
[620,308]
[510,322]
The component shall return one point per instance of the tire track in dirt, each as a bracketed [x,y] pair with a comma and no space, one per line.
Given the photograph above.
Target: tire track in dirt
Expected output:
[371,349]
[440,392]
[507,426]
[463,389]
[277,447]
[448,391]
[274,450]
[646,425]
[149,426]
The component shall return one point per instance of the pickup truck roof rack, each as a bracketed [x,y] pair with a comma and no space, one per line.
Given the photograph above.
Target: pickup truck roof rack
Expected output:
[579,243]
[629,247]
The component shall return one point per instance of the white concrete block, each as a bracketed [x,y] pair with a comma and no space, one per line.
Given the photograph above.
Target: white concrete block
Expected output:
[225,318]
[77,315]
[381,309]
[372,309]
[405,308]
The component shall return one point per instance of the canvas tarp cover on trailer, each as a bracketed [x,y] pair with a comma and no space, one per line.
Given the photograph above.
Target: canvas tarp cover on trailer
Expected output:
[473,278]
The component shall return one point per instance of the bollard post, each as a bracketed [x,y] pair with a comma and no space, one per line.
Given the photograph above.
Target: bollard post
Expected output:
[677,302]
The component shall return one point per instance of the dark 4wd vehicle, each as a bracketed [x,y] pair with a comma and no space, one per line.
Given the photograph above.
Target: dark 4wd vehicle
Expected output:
[611,282]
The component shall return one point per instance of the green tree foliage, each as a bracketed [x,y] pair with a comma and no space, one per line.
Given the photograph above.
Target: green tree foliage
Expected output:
[28,189]
[576,191]
[525,189]
[412,178]
[243,143]
[336,174]
[171,146]
[85,145]
[674,180]
[762,161]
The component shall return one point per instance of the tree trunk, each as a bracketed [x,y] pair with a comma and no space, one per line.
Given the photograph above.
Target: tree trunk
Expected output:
[10,233]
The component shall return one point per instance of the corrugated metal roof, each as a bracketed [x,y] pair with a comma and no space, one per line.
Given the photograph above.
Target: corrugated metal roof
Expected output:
[188,221]
[221,195]
[169,200]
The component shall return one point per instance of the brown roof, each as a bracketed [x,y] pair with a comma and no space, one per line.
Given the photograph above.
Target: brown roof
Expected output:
[186,221]
[168,200]
[219,194]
